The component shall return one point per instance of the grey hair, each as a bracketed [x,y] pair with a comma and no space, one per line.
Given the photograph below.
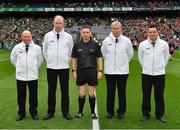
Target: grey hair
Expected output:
[116,23]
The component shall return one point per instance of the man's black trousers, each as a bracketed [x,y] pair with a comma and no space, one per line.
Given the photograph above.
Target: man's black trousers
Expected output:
[21,96]
[159,84]
[52,76]
[112,81]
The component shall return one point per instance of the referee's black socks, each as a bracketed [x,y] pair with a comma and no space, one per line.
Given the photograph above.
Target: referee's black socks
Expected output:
[81,101]
[92,100]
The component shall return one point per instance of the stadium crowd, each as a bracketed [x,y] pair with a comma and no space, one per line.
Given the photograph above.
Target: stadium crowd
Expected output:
[134,28]
[94,3]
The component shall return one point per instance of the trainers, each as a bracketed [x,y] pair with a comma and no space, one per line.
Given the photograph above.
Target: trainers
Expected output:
[93,116]
[78,115]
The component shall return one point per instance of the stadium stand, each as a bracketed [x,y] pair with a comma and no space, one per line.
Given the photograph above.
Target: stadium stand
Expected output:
[134,26]
[92,3]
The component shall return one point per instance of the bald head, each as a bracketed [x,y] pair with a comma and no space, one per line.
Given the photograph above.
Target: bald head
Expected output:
[26,37]
[58,17]
[26,32]
[58,23]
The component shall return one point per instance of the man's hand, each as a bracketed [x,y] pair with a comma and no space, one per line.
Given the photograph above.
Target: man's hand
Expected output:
[74,75]
[99,75]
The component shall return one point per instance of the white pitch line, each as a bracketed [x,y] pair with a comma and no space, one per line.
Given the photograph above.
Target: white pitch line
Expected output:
[4,60]
[96,122]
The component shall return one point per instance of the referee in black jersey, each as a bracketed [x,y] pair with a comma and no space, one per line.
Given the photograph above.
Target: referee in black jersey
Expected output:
[86,56]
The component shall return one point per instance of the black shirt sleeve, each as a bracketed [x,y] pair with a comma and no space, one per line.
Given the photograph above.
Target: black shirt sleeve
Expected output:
[74,51]
[98,54]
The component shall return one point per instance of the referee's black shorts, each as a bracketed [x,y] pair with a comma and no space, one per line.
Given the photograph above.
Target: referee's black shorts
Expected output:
[87,75]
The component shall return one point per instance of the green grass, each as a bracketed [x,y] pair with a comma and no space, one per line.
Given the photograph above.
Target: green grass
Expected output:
[4,54]
[8,101]
[134,98]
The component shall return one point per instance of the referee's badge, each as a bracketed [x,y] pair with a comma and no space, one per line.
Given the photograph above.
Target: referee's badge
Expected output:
[79,50]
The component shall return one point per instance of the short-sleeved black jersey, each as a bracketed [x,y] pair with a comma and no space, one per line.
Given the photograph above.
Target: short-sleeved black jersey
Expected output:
[86,54]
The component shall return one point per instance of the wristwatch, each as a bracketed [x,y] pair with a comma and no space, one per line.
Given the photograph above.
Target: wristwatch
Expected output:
[73,70]
[100,71]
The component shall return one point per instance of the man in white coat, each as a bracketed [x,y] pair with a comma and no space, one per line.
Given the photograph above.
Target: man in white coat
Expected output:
[57,48]
[27,58]
[117,52]
[153,54]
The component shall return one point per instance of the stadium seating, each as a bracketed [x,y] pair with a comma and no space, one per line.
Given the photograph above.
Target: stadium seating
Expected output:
[134,28]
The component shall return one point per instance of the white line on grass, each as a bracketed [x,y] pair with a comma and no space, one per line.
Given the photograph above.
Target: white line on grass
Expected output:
[4,60]
[96,122]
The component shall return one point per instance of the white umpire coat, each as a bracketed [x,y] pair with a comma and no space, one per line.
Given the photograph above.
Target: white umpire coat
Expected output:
[26,64]
[57,52]
[116,55]
[153,58]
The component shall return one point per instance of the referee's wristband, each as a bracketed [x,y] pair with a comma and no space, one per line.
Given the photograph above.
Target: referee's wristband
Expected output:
[100,71]
[73,70]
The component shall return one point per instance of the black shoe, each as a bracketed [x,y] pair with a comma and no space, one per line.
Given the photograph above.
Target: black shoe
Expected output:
[144,118]
[78,115]
[162,119]
[110,116]
[19,118]
[48,116]
[35,117]
[120,116]
[93,116]
[67,116]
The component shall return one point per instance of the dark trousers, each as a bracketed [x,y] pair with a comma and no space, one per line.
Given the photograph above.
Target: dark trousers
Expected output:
[159,84]
[52,76]
[21,96]
[112,81]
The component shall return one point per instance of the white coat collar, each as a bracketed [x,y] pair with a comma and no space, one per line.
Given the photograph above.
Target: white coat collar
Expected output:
[61,32]
[150,41]
[30,44]
[114,39]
